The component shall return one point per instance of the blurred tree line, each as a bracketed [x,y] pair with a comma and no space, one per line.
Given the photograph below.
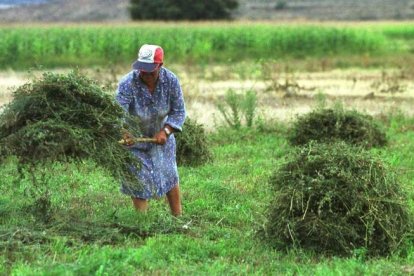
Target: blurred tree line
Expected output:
[181,9]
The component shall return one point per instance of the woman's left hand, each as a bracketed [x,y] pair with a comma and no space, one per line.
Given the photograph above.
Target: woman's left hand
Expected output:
[161,137]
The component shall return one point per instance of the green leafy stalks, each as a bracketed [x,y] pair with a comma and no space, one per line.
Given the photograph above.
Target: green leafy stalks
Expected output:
[65,117]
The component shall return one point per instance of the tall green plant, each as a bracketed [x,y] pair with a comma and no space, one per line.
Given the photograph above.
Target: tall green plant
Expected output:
[238,108]
[230,109]
[249,105]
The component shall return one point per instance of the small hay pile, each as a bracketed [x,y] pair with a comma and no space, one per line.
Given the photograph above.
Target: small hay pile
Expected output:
[326,125]
[192,145]
[62,118]
[335,198]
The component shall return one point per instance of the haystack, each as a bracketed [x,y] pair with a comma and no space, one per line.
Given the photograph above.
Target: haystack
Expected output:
[192,145]
[335,198]
[326,125]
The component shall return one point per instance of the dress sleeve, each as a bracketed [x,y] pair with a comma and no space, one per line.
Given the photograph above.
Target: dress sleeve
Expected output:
[177,114]
[124,95]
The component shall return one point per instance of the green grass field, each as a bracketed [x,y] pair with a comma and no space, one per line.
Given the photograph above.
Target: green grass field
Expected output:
[93,230]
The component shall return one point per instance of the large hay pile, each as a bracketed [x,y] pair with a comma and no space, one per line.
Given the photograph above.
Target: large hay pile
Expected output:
[192,145]
[335,198]
[65,117]
[326,125]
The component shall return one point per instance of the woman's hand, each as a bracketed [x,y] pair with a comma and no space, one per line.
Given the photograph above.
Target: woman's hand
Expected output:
[161,137]
[128,138]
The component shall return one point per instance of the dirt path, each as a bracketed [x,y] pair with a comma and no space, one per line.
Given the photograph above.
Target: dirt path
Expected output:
[282,98]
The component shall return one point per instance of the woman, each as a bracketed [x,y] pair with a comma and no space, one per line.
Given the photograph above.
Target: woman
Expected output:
[153,93]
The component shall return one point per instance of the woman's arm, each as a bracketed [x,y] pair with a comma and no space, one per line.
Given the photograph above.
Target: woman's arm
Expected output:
[177,114]
[124,95]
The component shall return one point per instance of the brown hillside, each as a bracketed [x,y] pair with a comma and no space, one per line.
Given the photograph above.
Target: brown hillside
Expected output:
[116,10]
[327,9]
[69,11]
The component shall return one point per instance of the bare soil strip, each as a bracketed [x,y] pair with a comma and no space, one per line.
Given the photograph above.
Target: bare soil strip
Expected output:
[282,98]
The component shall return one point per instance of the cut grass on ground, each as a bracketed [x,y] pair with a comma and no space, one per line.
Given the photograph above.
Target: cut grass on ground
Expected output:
[94,229]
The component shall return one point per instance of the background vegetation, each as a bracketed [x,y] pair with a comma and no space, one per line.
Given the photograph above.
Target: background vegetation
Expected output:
[181,9]
[67,45]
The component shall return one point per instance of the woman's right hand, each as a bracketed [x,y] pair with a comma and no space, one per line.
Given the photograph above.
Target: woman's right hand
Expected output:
[161,137]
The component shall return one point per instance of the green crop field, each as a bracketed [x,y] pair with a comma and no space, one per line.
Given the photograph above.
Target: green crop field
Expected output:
[78,45]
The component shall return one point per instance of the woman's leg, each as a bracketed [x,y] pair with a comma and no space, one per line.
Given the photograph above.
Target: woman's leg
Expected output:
[140,204]
[174,200]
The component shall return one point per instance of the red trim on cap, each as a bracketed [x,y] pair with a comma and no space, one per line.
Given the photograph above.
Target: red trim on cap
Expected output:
[159,55]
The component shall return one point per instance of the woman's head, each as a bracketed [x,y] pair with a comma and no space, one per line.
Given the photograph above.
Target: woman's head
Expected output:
[150,58]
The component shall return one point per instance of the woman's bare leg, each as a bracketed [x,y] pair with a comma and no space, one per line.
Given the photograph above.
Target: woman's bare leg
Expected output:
[174,200]
[140,204]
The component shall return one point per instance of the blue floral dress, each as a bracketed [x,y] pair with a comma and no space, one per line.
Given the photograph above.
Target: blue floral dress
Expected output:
[158,173]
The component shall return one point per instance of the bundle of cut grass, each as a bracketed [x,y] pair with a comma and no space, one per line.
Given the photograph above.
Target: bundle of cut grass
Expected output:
[326,125]
[192,145]
[65,117]
[335,198]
